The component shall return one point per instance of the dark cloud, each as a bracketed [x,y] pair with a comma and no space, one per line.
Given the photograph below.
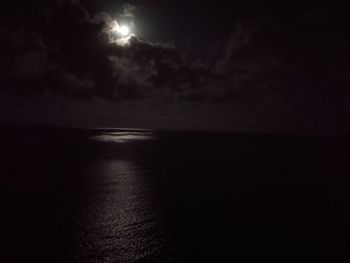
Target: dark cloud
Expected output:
[128,10]
[76,56]
[301,65]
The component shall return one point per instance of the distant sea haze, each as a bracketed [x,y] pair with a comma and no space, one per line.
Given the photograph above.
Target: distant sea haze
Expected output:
[119,195]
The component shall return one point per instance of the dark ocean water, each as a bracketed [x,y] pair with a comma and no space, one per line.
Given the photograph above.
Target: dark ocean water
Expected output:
[143,196]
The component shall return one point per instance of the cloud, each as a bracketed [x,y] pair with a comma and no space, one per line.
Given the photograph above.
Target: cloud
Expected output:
[74,56]
[77,58]
[128,11]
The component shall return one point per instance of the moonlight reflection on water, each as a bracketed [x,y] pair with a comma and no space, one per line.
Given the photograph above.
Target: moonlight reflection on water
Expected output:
[123,137]
[119,215]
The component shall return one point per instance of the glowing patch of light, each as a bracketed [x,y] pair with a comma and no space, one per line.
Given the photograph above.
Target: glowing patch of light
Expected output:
[120,34]
[123,30]
[123,137]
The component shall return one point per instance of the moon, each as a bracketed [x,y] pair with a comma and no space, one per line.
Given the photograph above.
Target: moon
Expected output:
[120,34]
[123,30]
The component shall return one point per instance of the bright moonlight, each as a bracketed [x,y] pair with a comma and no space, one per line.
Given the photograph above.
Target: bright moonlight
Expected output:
[123,30]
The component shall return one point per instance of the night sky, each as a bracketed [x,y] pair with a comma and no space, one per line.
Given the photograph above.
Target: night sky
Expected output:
[256,66]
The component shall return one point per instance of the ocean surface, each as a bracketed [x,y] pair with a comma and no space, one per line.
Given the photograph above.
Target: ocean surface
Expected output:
[114,195]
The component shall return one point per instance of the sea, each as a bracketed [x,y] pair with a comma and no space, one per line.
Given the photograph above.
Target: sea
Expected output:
[130,195]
